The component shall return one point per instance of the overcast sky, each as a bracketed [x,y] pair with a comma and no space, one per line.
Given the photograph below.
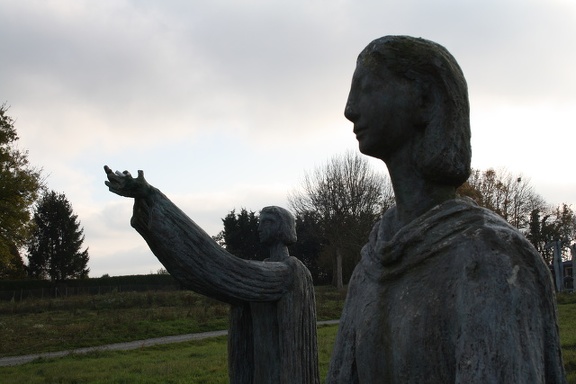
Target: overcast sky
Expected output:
[227,103]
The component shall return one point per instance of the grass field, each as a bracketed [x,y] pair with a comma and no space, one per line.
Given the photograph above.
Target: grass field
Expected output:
[34,326]
[50,325]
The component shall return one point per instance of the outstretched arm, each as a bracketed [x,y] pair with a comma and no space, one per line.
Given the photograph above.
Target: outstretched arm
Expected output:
[190,254]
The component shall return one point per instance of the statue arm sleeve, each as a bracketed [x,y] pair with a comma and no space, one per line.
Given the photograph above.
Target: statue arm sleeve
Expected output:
[198,262]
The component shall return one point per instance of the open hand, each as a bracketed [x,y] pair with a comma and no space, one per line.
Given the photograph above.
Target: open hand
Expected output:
[123,184]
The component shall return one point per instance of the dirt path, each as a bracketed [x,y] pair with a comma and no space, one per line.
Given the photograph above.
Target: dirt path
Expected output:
[17,360]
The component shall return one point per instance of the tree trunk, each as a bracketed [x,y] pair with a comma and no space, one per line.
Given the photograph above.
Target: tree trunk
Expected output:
[337,270]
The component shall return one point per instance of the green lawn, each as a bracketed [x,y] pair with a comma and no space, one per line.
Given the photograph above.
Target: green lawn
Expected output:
[34,326]
[201,361]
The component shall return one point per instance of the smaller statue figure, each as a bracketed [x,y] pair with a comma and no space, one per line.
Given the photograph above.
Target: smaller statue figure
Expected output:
[272,334]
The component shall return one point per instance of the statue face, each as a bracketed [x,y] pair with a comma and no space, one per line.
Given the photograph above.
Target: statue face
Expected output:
[268,227]
[385,110]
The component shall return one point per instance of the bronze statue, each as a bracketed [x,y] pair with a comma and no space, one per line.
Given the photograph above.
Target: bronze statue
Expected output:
[446,291]
[272,335]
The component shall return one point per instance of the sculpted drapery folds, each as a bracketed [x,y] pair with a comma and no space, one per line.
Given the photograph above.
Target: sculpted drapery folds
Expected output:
[446,291]
[272,334]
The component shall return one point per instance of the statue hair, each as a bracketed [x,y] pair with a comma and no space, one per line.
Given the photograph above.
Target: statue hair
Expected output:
[443,154]
[287,230]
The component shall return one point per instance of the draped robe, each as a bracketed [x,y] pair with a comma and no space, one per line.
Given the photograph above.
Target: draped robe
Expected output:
[456,296]
[272,334]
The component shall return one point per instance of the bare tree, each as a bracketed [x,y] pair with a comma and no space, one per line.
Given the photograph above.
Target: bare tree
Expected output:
[348,197]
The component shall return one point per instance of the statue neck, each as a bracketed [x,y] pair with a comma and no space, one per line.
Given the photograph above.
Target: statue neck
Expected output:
[278,252]
[414,194]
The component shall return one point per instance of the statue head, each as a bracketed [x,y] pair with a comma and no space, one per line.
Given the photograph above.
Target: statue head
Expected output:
[276,224]
[441,151]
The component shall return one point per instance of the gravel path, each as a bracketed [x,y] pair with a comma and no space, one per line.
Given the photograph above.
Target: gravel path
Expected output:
[17,360]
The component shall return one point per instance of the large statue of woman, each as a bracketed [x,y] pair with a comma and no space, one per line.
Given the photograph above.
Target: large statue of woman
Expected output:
[446,291]
[272,334]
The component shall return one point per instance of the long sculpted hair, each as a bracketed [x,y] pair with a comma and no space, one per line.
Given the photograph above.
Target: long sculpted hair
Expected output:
[443,154]
[287,230]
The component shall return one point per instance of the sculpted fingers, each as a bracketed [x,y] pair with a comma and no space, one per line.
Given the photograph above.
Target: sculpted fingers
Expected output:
[109,175]
[116,180]
[123,184]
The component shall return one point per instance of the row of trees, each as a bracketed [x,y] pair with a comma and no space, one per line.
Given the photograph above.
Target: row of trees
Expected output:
[335,208]
[338,203]
[34,219]
[513,198]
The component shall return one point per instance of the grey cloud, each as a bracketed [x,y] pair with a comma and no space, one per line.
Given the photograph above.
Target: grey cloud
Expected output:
[125,80]
[135,69]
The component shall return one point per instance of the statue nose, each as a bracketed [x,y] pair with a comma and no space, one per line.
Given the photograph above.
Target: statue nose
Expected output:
[350,113]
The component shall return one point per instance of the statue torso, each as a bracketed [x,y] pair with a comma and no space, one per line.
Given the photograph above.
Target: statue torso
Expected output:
[457,297]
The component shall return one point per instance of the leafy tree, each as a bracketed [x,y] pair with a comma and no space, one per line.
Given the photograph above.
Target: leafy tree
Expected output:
[19,187]
[240,238]
[348,197]
[308,248]
[541,231]
[240,235]
[54,249]
[512,197]
[557,224]
[565,223]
